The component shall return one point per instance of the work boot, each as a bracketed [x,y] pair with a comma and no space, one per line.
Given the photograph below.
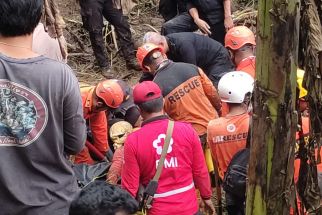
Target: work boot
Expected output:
[106,72]
[133,64]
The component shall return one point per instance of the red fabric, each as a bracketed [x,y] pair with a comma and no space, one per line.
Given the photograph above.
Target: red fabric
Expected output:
[84,157]
[98,126]
[297,162]
[247,65]
[305,127]
[115,170]
[227,136]
[93,150]
[140,156]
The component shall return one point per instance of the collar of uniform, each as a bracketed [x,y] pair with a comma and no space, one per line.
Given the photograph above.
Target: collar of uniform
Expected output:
[247,60]
[163,65]
[89,100]
[154,119]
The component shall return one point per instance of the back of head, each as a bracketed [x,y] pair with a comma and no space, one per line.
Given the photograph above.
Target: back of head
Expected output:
[146,51]
[113,92]
[19,17]
[233,87]
[147,95]
[100,198]
[238,37]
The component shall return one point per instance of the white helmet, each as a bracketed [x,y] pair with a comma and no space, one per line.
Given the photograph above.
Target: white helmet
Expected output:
[233,86]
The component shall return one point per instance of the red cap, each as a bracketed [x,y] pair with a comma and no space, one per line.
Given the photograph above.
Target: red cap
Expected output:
[146,91]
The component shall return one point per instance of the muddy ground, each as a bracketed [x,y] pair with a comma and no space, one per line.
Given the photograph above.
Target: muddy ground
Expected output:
[143,18]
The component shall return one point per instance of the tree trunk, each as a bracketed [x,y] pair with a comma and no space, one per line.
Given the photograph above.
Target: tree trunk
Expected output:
[271,165]
[311,59]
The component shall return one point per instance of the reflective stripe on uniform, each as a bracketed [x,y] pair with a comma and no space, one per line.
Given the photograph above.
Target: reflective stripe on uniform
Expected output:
[176,191]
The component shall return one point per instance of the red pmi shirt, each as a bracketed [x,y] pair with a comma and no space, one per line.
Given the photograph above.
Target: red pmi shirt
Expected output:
[184,167]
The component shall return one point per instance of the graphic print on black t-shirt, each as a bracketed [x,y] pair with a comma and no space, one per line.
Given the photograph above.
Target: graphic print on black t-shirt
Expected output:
[23,114]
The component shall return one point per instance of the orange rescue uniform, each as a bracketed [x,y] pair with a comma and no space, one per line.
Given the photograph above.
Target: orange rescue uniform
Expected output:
[247,65]
[97,124]
[189,95]
[226,136]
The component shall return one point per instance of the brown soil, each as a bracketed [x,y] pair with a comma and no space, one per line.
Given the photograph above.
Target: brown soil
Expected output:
[143,18]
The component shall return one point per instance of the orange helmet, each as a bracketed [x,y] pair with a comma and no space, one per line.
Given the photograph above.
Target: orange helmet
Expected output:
[144,51]
[239,36]
[111,92]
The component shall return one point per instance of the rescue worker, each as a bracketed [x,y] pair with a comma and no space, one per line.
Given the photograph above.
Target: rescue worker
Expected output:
[213,18]
[118,134]
[127,111]
[227,135]
[185,166]
[211,56]
[92,12]
[105,96]
[240,41]
[189,94]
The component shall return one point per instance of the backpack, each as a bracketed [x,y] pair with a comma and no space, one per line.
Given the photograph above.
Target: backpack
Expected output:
[236,176]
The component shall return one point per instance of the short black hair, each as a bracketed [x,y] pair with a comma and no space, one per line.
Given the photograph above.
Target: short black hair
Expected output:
[19,17]
[101,198]
[152,106]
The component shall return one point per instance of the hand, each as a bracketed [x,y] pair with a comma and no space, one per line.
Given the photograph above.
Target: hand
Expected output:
[228,22]
[203,26]
[209,207]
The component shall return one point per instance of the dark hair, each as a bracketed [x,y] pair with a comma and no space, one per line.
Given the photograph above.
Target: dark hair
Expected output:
[19,17]
[152,106]
[246,47]
[101,198]
[132,115]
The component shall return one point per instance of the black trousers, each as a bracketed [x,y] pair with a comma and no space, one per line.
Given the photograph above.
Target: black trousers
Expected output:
[92,12]
[185,23]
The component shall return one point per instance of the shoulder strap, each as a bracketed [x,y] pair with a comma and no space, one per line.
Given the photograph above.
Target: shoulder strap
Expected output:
[164,150]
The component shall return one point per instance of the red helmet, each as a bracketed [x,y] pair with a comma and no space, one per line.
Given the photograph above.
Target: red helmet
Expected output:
[144,51]
[239,36]
[111,92]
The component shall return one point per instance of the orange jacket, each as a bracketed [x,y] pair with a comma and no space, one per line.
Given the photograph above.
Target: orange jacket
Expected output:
[97,124]
[247,65]
[226,136]
[189,95]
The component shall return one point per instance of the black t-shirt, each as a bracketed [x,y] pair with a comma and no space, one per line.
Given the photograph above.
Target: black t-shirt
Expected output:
[211,56]
[187,47]
[212,11]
